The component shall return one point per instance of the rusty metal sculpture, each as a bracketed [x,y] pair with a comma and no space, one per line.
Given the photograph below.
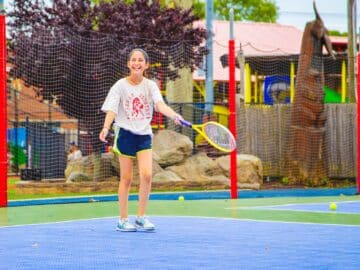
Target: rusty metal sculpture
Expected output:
[306,160]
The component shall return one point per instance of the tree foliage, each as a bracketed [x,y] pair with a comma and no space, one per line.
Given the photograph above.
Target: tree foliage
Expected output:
[244,10]
[337,33]
[90,41]
[139,22]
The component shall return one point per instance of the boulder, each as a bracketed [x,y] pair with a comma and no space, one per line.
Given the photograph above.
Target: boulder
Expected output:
[166,176]
[199,167]
[171,147]
[249,170]
[78,177]
[91,166]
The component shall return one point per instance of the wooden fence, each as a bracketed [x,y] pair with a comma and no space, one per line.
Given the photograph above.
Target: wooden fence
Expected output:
[263,131]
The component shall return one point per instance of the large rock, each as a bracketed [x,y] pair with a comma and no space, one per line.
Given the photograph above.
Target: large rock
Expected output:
[82,166]
[174,149]
[171,148]
[89,167]
[166,176]
[249,170]
[77,177]
[108,165]
[199,167]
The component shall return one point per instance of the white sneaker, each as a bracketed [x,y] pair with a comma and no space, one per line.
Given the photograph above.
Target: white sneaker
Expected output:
[125,226]
[143,223]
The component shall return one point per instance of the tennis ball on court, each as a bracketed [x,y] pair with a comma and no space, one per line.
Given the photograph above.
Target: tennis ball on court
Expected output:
[333,206]
[181,198]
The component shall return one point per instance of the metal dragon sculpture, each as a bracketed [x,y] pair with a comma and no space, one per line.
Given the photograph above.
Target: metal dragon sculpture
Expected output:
[306,160]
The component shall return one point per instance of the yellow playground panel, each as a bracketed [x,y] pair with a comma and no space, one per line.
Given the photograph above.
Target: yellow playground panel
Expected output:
[222,116]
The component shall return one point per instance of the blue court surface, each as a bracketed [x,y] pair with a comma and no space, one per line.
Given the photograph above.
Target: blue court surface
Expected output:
[180,243]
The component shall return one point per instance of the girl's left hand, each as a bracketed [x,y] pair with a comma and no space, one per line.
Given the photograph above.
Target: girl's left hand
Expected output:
[102,136]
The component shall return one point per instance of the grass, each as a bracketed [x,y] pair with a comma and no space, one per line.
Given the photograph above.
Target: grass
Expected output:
[13,196]
[12,181]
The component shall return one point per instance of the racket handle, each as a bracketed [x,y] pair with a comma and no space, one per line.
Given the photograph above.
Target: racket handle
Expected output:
[185,123]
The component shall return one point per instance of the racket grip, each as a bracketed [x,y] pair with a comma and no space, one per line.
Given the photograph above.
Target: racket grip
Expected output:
[185,123]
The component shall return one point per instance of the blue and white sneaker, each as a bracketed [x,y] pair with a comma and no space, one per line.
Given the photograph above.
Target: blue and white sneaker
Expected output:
[143,223]
[125,226]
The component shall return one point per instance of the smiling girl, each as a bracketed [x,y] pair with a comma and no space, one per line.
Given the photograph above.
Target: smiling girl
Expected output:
[130,103]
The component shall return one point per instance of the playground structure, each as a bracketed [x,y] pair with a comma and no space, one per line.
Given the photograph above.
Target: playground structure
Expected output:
[280,89]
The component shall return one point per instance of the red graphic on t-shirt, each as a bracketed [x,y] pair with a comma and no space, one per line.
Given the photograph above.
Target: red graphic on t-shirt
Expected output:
[137,107]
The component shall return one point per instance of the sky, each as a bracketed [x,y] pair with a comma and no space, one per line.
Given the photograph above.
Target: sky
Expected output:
[298,12]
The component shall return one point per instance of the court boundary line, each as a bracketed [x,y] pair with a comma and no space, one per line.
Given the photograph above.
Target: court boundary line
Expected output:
[273,207]
[187,217]
[287,204]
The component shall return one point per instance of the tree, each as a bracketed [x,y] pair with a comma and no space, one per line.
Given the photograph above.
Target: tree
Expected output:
[244,10]
[90,41]
[337,33]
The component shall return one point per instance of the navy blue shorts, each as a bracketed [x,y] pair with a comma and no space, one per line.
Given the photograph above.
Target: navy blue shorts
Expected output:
[129,144]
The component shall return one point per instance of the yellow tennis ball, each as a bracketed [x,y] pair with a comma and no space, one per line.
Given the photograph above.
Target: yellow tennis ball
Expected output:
[333,206]
[181,198]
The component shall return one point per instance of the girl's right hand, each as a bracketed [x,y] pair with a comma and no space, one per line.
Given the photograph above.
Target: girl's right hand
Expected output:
[177,119]
[103,134]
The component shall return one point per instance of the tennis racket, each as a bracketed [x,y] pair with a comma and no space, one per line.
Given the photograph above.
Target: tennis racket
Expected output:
[216,134]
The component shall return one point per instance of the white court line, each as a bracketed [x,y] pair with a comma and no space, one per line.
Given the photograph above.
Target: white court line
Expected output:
[189,217]
[274,207]
[287,204]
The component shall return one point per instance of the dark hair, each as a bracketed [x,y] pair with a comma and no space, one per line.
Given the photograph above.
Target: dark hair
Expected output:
[146,56]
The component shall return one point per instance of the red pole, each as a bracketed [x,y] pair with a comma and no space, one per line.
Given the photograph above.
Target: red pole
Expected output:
[3,116]
[358,124]
[232,118]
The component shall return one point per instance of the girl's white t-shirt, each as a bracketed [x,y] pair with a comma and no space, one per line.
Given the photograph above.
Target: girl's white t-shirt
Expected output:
[133,104]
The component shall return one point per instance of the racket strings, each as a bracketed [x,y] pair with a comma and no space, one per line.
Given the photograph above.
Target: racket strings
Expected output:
[220,136]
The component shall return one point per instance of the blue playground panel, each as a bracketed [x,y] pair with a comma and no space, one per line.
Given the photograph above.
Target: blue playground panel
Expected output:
[350,207]
[17,136]
[180,243]
[270,86]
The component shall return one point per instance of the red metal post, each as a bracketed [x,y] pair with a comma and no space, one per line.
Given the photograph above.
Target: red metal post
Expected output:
[3,114]
[358,124]
[232,117]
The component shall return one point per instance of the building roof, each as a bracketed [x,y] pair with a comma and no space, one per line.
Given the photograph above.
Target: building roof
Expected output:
[339,40]
[24,103]
[256,39]
[339,43]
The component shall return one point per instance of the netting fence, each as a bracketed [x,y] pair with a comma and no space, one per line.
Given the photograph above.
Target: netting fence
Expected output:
[59,83]
[310,135]
[56,96]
